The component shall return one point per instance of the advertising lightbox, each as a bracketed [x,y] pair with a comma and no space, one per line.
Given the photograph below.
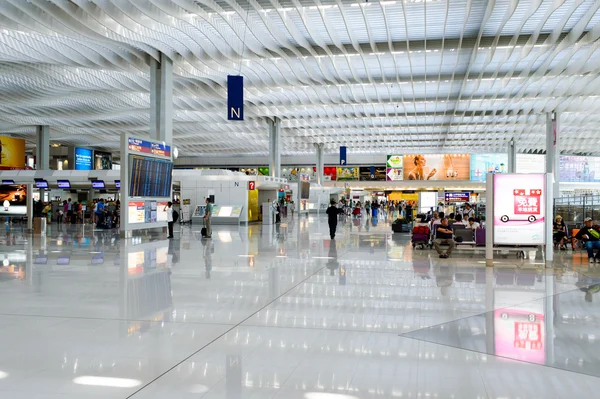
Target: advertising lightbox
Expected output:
[12,153]
[437,167]
[519,208]
[579,169]
[395,161]
[531,163]
[482,164]
[345,174]
[394,174]
[83,159]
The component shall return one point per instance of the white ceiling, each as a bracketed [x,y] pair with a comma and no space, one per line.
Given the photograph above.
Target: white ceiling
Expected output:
[378,77]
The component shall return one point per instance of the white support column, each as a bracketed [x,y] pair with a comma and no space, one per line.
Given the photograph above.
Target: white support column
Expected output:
[42,148]
[548,219]
[161,99]
[320,162]
[489,220]
[274,153]
[553,151]
[29,200]
[512,157]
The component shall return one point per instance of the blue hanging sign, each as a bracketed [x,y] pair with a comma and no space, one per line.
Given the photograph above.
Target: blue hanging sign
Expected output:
[372,172]
[343,160]
[235,98]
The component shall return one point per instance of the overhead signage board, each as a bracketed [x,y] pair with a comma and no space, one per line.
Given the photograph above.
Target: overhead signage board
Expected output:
[437,167]
[83,159]
[12,153]
[519,208]
[235,98]
[457,197]
[149,147]
[343,156]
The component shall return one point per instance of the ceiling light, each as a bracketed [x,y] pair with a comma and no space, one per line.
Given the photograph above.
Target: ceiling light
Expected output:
[107,381]
[3,375]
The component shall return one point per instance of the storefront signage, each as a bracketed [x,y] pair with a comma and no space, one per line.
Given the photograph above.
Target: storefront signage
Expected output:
[12,153]
[437,167]
[519,201]
[83,159]
[457,197]
[148,147]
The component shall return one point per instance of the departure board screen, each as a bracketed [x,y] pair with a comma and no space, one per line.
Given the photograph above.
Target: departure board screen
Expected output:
[150,177]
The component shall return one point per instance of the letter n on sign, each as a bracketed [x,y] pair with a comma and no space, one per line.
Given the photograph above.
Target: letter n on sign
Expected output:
[235,98]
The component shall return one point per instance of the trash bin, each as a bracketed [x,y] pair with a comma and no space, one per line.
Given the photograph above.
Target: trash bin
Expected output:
[39,225]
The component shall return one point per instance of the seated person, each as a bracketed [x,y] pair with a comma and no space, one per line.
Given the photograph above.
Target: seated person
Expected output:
[473,224]
[459,220]
[591,236]
[559,232]
[443,235]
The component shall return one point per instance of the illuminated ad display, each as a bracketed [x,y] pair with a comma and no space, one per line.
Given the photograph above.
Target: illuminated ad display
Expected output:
[531,163]
[137,211]
[519,201]
[347,173]
[579,169]
[12,153]
[394,168]
[83,159]
[437,167]
[482,164]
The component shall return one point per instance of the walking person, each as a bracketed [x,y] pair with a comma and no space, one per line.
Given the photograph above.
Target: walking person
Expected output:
[169,211]
[208,218]
[332,218]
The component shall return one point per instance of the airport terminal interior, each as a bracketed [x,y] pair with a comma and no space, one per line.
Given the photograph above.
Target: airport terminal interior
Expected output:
[299,199]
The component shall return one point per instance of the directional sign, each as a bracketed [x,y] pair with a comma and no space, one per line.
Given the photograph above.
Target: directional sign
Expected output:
[251,185]
[343,160]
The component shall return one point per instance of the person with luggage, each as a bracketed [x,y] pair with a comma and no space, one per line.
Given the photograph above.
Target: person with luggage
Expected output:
[208,218]
[169,210]
[468,212]
[443,236]
[591,237]
[332,218]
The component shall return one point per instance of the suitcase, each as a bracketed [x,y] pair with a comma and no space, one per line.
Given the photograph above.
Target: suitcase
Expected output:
[203,232]
[420,238]
[480,237]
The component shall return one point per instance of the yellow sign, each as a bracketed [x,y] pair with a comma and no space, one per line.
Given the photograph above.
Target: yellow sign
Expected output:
[12,153]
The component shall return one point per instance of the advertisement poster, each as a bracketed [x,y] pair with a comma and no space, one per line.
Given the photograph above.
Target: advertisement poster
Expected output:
[364,174]
[83,159]
[102,160]
[394,161]
[437,167]
[345,174]
[137,212]
[331,172]
[161,211]
[394,174]
[13,200]
[292,174]
[519,201]
[531,163]
[12,153]
[482,164]
[579,169]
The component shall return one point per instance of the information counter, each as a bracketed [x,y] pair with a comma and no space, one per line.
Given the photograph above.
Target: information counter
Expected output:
[221,214]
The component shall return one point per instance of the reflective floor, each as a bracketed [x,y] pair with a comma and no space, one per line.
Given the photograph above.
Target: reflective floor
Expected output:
[283,312]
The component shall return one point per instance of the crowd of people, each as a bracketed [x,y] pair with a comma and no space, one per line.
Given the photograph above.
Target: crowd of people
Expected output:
[99,212]
[381,209]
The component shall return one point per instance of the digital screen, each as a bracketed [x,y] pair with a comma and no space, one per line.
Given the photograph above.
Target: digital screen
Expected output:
[8,182]
[148,147]
[519,201]
[64,184]
[98,184]
[304,190]
[83,159]
[41,184]
[118,183]
[150,177]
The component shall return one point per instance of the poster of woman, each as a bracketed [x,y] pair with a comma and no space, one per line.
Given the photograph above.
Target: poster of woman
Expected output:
[437,167]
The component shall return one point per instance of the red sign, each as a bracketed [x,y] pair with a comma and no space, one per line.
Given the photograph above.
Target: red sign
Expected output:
[528,336]
[527,202]
[251,185]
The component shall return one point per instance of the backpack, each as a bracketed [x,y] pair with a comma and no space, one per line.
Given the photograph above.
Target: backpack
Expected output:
[175,216]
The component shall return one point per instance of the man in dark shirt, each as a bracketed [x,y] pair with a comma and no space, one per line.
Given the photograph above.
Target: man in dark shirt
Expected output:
[443,236]
[591,236]
[332,217]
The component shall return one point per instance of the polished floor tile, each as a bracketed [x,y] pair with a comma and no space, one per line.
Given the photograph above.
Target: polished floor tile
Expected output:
[285,312]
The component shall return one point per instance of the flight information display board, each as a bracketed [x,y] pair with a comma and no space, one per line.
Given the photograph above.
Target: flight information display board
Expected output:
[150,177]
